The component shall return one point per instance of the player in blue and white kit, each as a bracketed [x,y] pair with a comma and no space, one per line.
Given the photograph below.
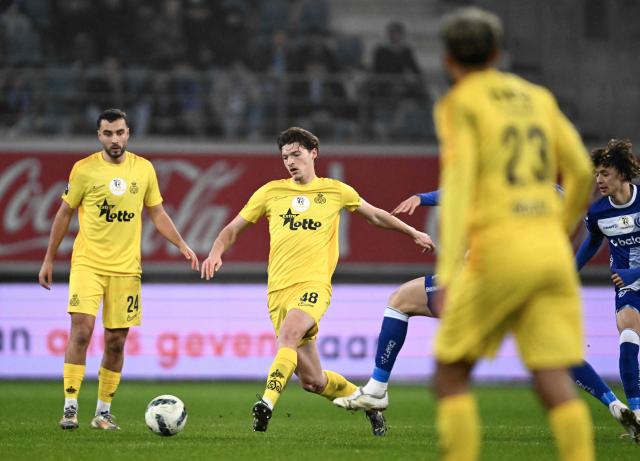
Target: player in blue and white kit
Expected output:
[616,217]
[414,298]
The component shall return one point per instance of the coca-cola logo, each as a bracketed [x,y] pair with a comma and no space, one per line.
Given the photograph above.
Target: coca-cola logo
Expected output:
[29,206]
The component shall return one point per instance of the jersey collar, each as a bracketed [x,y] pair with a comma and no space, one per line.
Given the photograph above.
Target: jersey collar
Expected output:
[624,205]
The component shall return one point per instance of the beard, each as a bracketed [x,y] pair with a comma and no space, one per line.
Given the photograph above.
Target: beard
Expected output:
[117,154]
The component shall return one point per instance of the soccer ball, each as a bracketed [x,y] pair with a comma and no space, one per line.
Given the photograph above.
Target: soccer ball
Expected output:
[166,415]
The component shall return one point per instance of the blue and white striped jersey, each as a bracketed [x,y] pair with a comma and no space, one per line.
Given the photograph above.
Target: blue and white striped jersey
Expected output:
[620,225]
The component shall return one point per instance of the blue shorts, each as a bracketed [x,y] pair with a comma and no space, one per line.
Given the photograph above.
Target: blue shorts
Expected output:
[430,288]
[630,298]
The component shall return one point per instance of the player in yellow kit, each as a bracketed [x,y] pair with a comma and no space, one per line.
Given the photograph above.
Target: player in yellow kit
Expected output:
[303,214]
[109,188]
[504,142]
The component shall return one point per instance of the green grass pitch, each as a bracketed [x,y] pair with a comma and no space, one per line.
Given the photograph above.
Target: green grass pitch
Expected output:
[304,427]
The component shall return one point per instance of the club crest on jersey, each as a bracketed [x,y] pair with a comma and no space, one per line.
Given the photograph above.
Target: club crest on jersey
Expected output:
[134,188]
[117,186]
[300,203]
[625,222]
[320,199]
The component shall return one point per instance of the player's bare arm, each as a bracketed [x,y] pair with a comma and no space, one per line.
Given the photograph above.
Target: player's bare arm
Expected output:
[223,241]
[58,231]
[165,226]
[382,218]
[408,205]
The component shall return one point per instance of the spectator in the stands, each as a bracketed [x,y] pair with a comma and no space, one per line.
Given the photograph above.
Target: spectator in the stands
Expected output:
[21,40]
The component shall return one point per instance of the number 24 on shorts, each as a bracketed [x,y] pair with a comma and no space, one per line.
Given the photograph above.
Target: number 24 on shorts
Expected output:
[132,303]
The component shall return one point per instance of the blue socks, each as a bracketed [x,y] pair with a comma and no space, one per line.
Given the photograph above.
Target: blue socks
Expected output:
[392,335]
[629,346]
[587,378]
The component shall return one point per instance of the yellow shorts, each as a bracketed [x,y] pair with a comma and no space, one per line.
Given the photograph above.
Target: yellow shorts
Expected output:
[310,297]
[122,307]
[538,301]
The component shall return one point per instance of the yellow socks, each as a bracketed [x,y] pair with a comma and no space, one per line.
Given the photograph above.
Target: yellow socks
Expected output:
[572,427]
[107,384]
[458,425]
[72,378]
[337,386]
[282,367]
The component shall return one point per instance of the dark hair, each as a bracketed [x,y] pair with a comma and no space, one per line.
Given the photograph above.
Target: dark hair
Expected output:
[471,35]
[296,134]
[111,115]
[617,154]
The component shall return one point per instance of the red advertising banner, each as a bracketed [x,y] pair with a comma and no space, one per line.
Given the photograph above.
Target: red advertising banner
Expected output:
[202,192]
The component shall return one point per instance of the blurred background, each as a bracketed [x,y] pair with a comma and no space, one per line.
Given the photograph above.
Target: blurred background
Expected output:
[207,86]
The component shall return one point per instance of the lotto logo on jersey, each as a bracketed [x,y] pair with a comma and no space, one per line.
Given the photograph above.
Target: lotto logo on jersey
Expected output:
[289,218]
[120,216]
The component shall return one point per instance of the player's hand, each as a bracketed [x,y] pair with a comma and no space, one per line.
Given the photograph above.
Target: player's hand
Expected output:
[45,277]
[189,254]
[617,280]
[407,206]
[210,266]
[424,240]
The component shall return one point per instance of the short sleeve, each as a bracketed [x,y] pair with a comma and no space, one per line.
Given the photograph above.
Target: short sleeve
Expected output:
[74,192]
[350,198]
[592,224]
[255,208]
[152,196]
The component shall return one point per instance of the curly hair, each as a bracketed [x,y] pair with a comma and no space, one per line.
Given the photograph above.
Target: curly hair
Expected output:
[617,154]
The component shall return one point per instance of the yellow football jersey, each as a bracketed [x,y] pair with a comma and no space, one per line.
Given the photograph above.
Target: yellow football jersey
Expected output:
[303,227]
[504,143]
[110,198]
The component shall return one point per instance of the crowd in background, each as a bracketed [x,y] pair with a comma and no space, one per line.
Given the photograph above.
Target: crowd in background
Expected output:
[228,69]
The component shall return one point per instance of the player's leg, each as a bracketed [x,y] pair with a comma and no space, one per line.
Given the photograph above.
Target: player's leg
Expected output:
[122,309]
[457,420]
[467,331]
[294,327]
[74,366]
[568,415]
[590,381]
[314,379]
[550,338]
[85,293]
[628,321]
[330,384]
[410,299]
[109,377]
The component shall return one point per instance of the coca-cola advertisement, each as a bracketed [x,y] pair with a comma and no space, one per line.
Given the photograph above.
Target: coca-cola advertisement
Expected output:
[202,192]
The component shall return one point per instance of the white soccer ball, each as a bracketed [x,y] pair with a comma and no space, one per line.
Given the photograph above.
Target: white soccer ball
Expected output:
[166,415]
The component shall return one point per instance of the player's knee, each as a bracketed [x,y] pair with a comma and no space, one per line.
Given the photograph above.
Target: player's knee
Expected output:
[402,303]
[80,336]
[289,337]
[114,346]
[397,301]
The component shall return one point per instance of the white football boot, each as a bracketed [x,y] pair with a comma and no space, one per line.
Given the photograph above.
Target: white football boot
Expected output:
[361,401]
